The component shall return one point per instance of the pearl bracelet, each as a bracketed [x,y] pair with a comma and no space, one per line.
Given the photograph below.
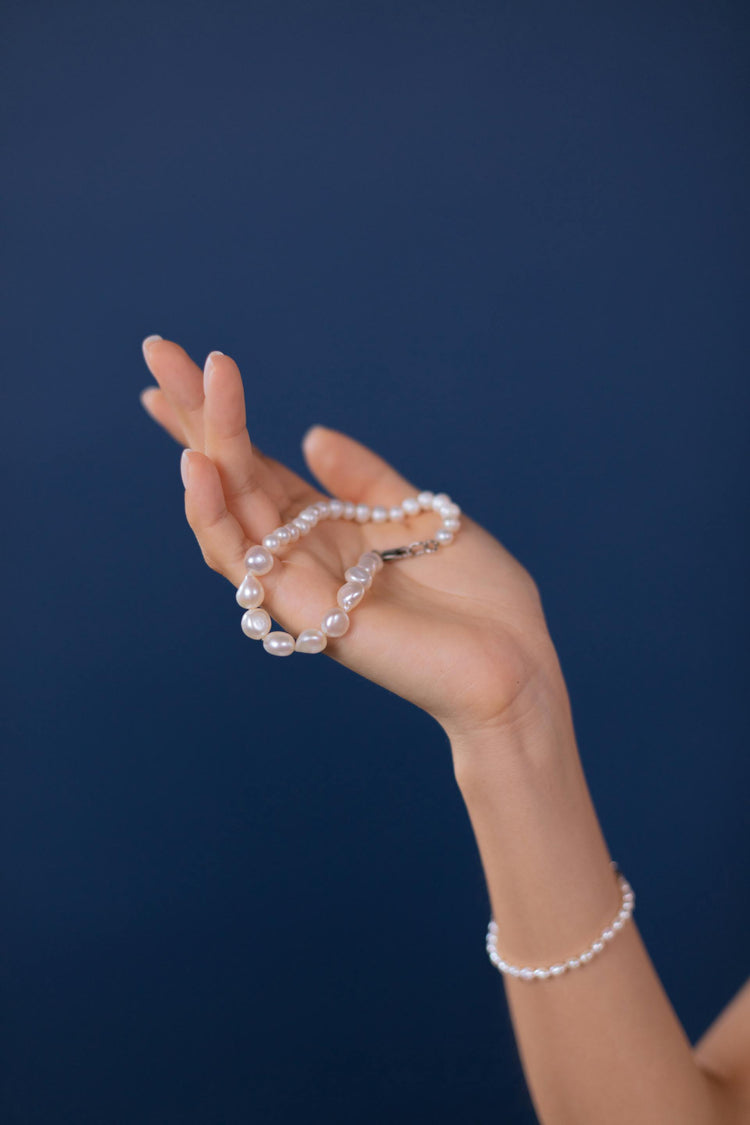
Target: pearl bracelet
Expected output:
[256,622]
[607,934]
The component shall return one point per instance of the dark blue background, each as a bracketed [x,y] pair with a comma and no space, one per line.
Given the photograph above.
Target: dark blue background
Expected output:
[506,245]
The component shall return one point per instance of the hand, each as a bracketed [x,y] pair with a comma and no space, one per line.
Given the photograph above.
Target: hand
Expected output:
[459,632]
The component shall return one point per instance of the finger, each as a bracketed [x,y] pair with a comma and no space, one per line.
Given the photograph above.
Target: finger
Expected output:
[222,540]
[352,471]
[256,489]
[181,380]
[155,404]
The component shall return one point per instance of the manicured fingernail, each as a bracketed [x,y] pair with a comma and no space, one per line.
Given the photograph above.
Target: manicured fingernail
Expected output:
[185,466]
[144,397]
[149,340]
[208,369]
[312,430]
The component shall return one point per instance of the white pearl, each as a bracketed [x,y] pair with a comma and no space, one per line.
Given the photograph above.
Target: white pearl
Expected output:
[574,963]
[514,971]
[586,957]
[440,499]
[258,560]
[270,542]
[350,510]
[309,514]
[503,966]
[278,643]
[608,935]
[282,534]
[303,526]
[369,560]
[294,532]
[350,594]
[452,524]
[425,500]
[443,536]
[449,511]
[335,623]
[411,506]
[323,509]
[597,947]
[311,640]
[358,574]
[396,514]
[363,513]
[542,974]
[379,514]
[250,592]
[526,973]
[618,923]
[336,508]
[556,970]
[255,623]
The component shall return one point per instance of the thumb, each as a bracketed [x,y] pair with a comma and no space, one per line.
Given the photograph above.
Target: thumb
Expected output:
[349,470]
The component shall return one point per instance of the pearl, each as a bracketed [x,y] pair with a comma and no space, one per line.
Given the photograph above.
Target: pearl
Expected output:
[542,974]
[358,574]
[411,505]
[310,515]
[336,508]
[443,536]
[379,514]
[293,531]
[335,623]
[556,970]
[450,511]
[311,640]
[607,935]
[369,560]
[425,500]
[302,525]
[618,923]
[350,594]
[270,542]
[514,971]
[255,623]
[526,973]
[250,592]
[439,500]
[323,508]
[574,963]
[259,560]
[350,510]
[282,535]
[278,643]
[597,947]
[452,524]
[396,514]
[586,957]
[363,513]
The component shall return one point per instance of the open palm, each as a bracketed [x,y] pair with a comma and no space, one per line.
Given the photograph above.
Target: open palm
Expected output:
[459,632]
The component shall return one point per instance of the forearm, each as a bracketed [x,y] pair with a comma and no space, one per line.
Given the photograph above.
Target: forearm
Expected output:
[602,1042]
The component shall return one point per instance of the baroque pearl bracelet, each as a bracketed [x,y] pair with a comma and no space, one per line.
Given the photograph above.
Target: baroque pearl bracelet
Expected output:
[607,934]
[256,622]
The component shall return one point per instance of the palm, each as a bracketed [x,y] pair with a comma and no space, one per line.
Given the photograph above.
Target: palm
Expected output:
[453,631]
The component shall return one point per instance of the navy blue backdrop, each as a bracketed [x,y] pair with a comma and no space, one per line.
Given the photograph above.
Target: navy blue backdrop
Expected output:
[505,244]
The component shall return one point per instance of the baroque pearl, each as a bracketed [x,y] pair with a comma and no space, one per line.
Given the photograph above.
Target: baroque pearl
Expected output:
[370,560]
[311,640]
[358,574]
[256,623]
[350,594]
[250,592]
[335,623]
[279,643]
[259,560]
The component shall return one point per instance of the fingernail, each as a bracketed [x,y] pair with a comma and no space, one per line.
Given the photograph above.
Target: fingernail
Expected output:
[208,369]
[149,340]
[142,397]
[185,466]
[311,431]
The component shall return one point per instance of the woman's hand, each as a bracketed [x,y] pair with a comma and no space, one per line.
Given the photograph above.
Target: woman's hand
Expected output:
[459,632]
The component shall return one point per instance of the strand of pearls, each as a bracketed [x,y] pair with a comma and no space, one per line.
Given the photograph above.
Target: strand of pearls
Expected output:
[557,970]
[256,621]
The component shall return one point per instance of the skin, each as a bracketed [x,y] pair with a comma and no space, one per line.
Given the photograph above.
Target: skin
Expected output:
[462,634]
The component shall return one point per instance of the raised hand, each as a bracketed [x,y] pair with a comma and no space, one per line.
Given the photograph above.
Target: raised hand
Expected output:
[459,632]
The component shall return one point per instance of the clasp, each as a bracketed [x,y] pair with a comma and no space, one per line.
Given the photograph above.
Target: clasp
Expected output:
[420,547]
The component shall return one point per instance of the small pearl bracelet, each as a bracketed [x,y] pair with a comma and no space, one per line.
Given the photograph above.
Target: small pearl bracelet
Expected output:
[526,973]
[256,622]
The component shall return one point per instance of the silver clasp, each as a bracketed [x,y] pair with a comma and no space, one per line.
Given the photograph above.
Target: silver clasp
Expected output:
[420,547]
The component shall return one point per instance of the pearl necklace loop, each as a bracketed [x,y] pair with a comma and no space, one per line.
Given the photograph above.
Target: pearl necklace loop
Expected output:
[256,621]
[557,970]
